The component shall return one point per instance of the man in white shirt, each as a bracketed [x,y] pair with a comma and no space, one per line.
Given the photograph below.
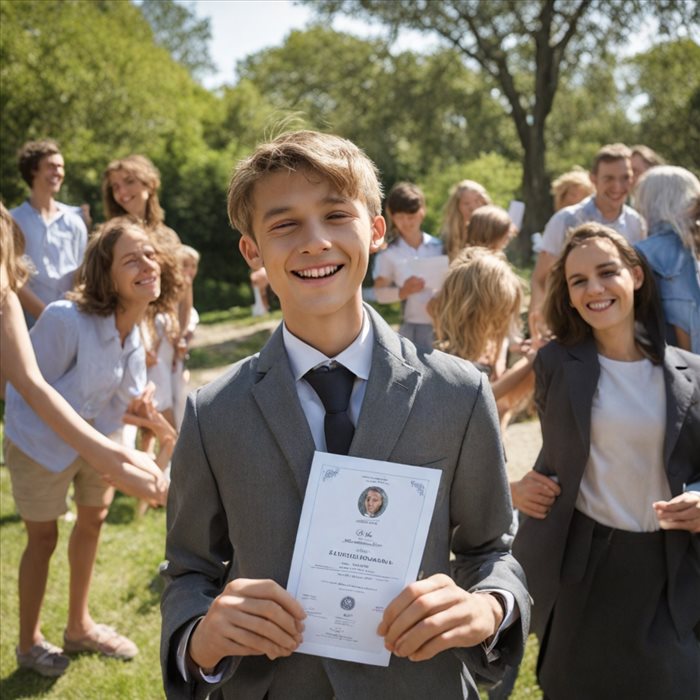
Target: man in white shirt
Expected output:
[55,235]
[611,175]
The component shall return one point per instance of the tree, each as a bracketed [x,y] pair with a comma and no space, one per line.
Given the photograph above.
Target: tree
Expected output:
[524,47]
[177,29]
[668,78]
[408,111]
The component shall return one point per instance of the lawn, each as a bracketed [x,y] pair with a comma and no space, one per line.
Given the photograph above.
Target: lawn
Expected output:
[126,587]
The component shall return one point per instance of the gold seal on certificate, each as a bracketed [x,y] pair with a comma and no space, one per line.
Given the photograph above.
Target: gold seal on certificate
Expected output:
[360,541]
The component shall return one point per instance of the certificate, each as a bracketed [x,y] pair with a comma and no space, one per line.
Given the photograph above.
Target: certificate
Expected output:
[360,541]
[432,270]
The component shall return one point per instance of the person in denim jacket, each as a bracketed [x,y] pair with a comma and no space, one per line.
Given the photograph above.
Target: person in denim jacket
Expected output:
[668,197]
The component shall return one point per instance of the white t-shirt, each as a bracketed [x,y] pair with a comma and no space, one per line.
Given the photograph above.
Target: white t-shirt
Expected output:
[625,471]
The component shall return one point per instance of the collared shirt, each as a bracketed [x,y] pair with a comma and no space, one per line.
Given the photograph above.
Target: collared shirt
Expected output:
[629,224]
[82,357]
[357,357]
[394,263]
[55,247]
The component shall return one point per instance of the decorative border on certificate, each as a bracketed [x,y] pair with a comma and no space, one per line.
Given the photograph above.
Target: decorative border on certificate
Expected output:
[361,536]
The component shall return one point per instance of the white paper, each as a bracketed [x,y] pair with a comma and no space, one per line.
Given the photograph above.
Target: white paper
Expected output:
[516,211]
[432,270]
[360,541]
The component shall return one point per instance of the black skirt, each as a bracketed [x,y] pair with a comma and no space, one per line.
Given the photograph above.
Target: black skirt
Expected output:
[610,634]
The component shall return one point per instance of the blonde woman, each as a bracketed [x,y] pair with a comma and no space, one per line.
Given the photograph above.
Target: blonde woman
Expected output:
[465,197]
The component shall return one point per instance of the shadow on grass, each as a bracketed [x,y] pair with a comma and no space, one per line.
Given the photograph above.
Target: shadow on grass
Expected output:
[228,352]
[9,519]
[22,683]
[122,511]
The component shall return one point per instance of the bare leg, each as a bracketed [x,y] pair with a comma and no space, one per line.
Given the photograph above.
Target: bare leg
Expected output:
[33,575]
[82,552]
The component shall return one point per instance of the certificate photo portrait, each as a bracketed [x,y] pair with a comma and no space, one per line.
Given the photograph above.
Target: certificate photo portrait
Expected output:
[372,502]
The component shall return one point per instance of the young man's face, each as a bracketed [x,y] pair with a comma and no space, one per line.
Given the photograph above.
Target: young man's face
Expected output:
[314,244]
[612,182]
[49,174]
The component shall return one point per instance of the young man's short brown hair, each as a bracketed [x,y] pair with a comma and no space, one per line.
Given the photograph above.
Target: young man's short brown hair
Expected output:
[347,168]
[31,153]
[609,154]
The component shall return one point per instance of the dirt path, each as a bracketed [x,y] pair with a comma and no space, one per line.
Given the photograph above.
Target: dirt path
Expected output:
[522,440]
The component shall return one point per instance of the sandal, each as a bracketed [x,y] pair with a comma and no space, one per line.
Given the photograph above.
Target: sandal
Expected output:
[44,658]
[104,640]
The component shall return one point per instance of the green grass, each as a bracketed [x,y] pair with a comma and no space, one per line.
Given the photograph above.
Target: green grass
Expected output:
[125,593]
[126,588]
[238,315]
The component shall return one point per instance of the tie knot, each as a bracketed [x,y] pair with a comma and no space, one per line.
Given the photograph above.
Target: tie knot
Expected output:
[333,386]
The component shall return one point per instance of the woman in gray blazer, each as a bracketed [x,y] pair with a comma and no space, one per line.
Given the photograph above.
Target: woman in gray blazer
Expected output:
[614,567]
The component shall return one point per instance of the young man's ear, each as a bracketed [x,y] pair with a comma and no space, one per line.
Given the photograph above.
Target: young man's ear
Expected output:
[378,231]
[250,251]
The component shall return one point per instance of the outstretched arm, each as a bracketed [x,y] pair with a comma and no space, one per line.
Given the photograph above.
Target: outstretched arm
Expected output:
[130,471]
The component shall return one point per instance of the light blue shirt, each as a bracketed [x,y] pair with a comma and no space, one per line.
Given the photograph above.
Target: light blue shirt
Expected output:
[81,356]
[56,248]
[629,224]
[677,274]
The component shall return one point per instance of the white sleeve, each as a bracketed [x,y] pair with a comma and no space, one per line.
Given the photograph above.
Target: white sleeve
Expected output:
[554,234]
[55,340]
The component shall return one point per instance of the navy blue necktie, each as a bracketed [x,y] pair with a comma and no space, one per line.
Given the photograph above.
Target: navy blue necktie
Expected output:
[334,387]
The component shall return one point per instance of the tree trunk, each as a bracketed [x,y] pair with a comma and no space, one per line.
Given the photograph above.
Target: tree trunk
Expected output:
[536,195]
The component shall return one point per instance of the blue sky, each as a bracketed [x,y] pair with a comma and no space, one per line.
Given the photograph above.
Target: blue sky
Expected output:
[242,27]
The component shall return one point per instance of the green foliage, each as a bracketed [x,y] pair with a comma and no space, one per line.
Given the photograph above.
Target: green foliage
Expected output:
[407,111]
[177,29]
[668,76]
[500,176]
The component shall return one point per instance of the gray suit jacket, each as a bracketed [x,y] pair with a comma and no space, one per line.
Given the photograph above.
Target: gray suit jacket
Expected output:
[238,481]
[567,378]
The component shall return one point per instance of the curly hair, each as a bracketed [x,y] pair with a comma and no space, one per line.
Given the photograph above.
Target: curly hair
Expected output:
[147,174]
[564,320]
[95,292]
[31,153]
[478,305]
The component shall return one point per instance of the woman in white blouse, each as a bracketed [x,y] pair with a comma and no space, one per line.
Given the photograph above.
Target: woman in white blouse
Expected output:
[613,563]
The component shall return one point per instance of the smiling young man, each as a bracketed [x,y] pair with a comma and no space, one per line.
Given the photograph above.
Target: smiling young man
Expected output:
[611,175]
[55,235]
[308,208]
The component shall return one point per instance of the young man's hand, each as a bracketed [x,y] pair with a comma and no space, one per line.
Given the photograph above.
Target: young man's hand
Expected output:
[435,614]
[250,617]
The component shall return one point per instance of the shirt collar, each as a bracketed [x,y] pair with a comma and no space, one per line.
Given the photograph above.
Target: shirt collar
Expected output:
[357,357]
[108,332]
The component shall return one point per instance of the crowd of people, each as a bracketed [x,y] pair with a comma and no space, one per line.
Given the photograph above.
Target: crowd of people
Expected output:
[106,351]
[607,520]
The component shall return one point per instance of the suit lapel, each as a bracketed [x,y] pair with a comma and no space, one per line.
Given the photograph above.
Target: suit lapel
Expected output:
[679,394]
[276,396]
[582,372]
[391,391]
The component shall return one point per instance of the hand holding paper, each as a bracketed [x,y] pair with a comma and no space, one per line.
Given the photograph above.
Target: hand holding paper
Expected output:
[435,614]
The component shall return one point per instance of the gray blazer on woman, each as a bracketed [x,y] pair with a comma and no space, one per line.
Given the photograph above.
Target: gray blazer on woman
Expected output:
[567,378]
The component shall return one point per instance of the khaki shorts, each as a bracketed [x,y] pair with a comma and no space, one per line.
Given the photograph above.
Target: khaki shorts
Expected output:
[40,494]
